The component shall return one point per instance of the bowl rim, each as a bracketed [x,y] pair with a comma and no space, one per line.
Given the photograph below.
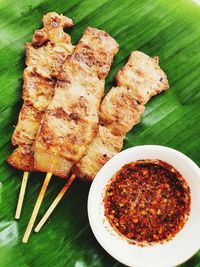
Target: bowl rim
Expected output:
[164,149]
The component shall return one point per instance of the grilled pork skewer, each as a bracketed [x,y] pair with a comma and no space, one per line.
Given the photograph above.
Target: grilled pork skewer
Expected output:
[45,56]
[121,109]
[71,120]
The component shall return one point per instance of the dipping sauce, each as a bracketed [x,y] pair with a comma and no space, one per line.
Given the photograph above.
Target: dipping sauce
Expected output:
[147,201]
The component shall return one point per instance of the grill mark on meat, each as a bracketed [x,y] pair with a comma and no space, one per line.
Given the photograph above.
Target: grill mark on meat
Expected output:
[61,113]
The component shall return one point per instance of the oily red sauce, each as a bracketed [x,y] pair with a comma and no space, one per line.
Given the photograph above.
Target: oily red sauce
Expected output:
[147,201]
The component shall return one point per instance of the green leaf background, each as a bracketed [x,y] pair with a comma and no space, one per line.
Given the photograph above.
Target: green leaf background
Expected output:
[170,29]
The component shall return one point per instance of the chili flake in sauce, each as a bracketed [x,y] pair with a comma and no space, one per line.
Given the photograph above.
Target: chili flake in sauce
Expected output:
[147,201]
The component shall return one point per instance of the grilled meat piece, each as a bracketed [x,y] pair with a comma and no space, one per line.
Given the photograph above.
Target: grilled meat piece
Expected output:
[44,59]
[71,120]
[121,109]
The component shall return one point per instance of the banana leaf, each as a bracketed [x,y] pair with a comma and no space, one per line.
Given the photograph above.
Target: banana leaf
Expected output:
[169,29]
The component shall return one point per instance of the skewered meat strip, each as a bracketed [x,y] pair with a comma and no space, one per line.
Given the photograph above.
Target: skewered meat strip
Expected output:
[121,109]
[71,120]
[50,45]
[45,56]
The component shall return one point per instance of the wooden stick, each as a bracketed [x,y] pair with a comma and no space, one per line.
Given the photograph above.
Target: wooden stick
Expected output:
[21,195]
[37,207]
[55,203]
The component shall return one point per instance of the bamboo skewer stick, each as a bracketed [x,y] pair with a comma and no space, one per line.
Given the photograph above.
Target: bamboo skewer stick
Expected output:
[21,195]
[55,203]
[37,207]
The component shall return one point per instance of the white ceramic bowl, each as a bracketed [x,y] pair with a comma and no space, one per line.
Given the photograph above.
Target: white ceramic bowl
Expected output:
[183,246]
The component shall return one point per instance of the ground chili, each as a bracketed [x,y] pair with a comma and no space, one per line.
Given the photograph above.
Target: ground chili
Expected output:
[147,201]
